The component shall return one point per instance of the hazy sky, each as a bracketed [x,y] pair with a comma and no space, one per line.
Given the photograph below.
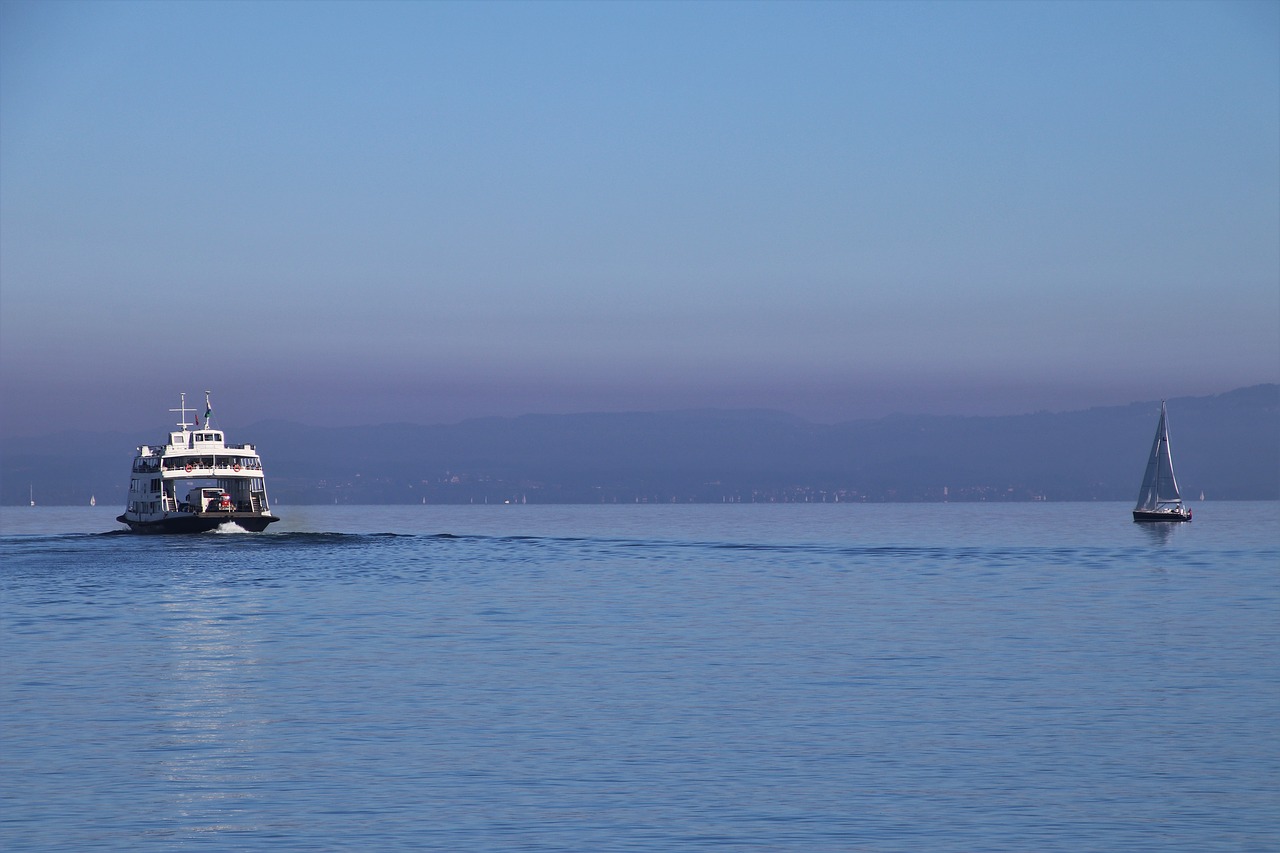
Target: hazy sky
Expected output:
[366,212]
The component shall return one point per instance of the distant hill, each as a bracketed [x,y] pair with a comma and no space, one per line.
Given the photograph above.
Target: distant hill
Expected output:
[1226,445]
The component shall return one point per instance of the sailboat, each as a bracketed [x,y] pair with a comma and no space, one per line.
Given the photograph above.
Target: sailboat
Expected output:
[1159,498]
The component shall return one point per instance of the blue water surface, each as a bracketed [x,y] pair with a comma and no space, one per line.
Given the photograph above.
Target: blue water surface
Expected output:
[949,677]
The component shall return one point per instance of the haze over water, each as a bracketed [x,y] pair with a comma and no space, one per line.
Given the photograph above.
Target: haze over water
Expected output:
[786,677]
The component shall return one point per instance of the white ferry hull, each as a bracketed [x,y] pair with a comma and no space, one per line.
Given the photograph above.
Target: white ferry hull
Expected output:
[197,522]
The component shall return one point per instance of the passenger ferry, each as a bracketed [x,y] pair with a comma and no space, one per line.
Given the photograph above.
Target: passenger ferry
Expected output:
[196,482]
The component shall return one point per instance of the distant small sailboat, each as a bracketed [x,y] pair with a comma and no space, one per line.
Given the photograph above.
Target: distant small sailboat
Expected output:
[31,494]
[1159,498]
[93,501]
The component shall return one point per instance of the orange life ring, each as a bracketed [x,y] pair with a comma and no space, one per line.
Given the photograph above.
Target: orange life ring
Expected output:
[235,466]
[188,467]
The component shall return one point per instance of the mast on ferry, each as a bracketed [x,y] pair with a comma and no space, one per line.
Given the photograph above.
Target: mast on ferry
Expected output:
[183,410]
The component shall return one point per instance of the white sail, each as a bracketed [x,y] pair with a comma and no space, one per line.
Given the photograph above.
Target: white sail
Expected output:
[1159,485]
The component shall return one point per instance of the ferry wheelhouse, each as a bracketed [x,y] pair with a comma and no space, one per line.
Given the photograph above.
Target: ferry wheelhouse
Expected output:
[196,482]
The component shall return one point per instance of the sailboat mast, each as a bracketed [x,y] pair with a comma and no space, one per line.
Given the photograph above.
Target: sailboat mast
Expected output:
[1164,448]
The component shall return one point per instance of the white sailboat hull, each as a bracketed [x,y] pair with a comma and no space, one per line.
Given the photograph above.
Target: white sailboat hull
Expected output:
[1162,515]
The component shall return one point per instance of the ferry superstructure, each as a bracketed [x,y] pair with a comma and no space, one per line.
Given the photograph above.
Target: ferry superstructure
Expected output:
[196,482]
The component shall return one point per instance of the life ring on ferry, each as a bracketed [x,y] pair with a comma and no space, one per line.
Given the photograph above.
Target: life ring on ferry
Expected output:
[188,467]
[235,466]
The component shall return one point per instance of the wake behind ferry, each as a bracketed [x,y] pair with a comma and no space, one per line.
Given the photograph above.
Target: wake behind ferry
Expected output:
[196,482]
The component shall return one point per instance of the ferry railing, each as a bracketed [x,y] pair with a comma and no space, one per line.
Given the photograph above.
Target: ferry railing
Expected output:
[191,465]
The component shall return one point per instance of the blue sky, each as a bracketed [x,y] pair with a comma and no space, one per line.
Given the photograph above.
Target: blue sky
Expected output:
[357,213]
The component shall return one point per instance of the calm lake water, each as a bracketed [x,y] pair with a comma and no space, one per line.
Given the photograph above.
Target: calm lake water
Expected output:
[963,677]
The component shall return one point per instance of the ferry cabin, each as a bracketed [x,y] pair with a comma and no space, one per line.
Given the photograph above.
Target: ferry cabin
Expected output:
[197,472]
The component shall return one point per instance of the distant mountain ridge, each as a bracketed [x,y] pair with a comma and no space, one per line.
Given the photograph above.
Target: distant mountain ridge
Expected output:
[1227,445]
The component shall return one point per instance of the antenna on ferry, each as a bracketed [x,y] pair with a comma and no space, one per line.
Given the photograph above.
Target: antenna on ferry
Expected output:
[183,422]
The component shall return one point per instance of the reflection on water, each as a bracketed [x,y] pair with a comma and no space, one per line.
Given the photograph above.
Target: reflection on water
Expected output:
[209,735]
[1160,532]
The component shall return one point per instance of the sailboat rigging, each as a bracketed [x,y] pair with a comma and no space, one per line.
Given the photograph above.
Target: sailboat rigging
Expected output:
[1159,498]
